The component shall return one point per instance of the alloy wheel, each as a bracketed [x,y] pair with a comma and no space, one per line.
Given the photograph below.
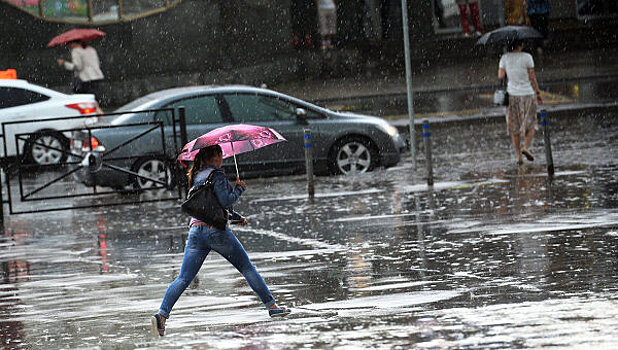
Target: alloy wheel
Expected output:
[46,150]
[353,157]
[153,169]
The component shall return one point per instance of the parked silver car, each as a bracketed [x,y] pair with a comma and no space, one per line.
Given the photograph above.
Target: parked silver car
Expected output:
[342,142]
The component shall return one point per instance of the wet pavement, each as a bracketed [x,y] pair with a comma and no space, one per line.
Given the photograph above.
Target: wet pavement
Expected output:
[493,256]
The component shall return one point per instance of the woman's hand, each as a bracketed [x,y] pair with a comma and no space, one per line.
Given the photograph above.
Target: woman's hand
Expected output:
[60,61]
[539,99]
[241,183]
[243,221]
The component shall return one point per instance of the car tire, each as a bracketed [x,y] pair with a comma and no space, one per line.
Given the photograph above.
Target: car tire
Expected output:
[152,167]
[353,154]
[36,153]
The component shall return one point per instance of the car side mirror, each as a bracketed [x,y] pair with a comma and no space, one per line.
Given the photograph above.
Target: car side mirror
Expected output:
[301,115]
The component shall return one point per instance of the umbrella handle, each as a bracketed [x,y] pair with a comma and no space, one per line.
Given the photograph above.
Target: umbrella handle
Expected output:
[236,164]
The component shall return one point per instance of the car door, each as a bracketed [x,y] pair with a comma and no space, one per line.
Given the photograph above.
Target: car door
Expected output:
[202,114]
[279,114]
[16,104]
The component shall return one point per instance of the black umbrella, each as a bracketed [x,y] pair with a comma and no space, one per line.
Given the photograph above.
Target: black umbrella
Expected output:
[509,33]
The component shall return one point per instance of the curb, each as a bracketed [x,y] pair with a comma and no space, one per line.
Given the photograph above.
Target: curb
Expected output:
[493,113]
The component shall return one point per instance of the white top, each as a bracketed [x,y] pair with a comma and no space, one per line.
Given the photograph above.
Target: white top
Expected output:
[516,65]
[326,4]
[85,63]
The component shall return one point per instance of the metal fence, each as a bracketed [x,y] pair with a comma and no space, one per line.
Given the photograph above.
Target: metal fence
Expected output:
[32,188]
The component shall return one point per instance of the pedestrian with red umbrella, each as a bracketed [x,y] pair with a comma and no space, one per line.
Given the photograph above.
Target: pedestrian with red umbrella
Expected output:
[207,155]
[85,64]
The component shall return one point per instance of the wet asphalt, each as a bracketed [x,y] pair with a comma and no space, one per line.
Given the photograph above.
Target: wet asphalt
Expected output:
[493,256]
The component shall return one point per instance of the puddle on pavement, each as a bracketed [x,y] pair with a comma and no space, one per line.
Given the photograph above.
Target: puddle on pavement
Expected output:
[494,256]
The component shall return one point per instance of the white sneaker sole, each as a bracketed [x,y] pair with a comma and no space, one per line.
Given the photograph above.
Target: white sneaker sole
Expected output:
[154,328]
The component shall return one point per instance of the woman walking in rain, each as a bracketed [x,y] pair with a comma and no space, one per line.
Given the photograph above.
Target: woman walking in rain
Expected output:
[524,94]
[85,66]
[203,238]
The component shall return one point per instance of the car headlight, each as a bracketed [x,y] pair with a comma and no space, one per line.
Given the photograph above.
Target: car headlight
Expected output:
[391,130]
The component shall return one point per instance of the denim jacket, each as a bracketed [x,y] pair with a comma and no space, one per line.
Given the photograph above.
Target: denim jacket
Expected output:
[223,190]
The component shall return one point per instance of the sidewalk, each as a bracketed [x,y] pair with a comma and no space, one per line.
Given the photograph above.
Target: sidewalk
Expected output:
[475,77]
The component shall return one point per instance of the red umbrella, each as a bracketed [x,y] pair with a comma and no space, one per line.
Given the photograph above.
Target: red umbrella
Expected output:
[233,139]
[75,34]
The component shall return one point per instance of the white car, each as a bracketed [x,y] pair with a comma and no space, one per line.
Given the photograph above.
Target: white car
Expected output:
[49,142]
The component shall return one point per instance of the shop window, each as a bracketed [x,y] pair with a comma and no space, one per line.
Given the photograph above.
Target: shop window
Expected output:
[93,11]
[591,9]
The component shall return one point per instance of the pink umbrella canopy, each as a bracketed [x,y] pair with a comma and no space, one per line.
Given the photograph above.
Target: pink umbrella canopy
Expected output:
[75,34]
[233,139]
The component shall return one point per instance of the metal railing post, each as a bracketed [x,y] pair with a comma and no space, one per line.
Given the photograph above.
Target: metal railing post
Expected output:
[3,174]
[183,125]
[427,138]
[309,163]
[548,156]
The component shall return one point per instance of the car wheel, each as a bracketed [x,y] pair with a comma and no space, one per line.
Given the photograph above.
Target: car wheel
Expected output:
[353,155]
[153,168]
[47,148]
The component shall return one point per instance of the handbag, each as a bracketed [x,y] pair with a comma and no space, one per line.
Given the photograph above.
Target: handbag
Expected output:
[77,84]
[202,204]
[501,97]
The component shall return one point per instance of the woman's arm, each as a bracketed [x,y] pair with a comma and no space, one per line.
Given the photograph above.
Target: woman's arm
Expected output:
[78,62]
[535,85]
[222,190]
[501,73]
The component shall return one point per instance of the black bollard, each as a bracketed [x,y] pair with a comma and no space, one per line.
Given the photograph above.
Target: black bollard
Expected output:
[427,138]
[309,163]
[548,156]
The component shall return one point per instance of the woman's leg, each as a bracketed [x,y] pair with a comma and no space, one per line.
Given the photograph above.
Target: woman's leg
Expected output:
[516,138]
[476,16]
[226,244]
[191,262]
[514,123]
[463,14]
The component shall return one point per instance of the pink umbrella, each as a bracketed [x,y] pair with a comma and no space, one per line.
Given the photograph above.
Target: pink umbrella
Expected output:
[233,139]
[81,34]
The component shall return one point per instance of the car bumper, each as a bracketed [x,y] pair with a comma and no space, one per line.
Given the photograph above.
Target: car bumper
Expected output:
[392,155]
[103,176]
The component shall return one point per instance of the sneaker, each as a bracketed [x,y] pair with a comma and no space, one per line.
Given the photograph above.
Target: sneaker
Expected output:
[466,35]
[528,155]
[478,33]
[279,312]
[157,325]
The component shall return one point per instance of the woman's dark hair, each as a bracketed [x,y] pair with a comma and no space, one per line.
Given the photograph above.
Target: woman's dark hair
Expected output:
[515,44]
[82,43]
[203,157]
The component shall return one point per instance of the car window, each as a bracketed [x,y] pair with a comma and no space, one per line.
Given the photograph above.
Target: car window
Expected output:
[198,110]
[252,108]
[12,97]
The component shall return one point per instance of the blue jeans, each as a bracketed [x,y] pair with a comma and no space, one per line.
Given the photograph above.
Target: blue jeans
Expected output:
[201,241]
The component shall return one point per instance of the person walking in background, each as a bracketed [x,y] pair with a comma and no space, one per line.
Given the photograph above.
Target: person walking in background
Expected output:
[538,11]
[302,13]
[86,68]
[438,11]
[203,238]
[474,13]
[518,68]
[327,22]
